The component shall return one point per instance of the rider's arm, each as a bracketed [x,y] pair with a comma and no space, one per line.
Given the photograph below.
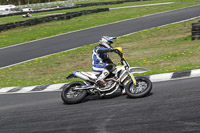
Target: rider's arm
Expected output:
[109,61]
[105,50]
[105,58]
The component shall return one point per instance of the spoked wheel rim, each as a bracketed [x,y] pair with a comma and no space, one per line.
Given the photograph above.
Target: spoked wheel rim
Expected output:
[140,87]
[73,94]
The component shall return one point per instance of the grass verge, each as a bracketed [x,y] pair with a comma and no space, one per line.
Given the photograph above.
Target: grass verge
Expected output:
[11,19]
[25,34]
[160,50]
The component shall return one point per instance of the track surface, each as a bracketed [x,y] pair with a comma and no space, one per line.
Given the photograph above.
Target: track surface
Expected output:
[27,51]
[172,107]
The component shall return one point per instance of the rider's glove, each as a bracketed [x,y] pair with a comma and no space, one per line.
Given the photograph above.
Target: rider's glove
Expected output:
[112,50]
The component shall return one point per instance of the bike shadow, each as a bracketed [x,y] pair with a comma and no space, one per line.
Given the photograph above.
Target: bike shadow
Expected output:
[114,95]
[150,94]
[97,97]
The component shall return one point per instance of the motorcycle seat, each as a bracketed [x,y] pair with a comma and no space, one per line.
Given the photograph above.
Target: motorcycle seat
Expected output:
[95,73]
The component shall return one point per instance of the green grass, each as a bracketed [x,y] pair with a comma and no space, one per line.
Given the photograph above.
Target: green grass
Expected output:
[25,34]
[91,1]
[160,50]
[11,19]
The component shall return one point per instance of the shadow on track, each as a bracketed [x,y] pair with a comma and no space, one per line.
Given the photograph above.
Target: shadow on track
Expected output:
[141,97]
[97,97]
[114,95]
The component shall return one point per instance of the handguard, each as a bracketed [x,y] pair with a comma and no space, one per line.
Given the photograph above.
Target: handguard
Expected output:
[119,51]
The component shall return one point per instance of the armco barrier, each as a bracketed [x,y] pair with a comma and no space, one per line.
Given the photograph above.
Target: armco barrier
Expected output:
[196,30]
[77,6]
[50,18]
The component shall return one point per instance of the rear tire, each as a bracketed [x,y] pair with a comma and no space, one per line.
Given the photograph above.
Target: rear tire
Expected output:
[69,96]
[142,88]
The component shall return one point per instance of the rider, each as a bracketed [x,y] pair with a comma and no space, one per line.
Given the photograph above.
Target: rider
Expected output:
[101,61]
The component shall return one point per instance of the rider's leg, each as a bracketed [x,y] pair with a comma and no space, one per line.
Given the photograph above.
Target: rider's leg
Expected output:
[105,73]
[100,80]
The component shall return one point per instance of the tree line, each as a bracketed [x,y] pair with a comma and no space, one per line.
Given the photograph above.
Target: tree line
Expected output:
[24,2]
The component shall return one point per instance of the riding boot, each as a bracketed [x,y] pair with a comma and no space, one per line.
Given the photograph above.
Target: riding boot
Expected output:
[100,80]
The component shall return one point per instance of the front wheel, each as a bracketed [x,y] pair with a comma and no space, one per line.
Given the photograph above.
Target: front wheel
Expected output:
[142,88]
[70,96]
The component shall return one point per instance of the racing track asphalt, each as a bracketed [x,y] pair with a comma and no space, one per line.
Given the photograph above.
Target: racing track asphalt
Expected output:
[35,49]
[172,107]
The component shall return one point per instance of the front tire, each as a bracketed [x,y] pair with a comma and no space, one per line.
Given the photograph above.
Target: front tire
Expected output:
[70,96]
[142,88]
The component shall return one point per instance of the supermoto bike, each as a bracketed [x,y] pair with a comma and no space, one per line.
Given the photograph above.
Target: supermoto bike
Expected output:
[121,78]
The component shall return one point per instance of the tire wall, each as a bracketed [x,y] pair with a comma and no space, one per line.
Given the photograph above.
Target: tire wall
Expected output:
[196,31]
[36,21]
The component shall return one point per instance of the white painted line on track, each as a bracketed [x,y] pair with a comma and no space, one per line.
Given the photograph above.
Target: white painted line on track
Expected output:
[182,78]
[25,89]
[195,73]
[157,4]
[54,87]
[58,87]
[38,58]
[28,92]
[161,77]
[6,89]
[162,26]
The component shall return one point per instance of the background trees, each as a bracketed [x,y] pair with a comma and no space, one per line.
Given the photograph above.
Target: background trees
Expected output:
[24,2]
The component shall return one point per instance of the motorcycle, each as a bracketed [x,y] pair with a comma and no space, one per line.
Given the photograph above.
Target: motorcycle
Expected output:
[121,78]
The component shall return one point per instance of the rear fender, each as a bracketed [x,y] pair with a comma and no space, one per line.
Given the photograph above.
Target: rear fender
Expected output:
[70,76]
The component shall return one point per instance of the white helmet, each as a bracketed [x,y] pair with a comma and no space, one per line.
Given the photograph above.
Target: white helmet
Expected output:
[106,41]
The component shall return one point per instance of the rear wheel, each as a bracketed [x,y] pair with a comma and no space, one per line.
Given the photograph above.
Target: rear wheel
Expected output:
[71,96]
[142,88]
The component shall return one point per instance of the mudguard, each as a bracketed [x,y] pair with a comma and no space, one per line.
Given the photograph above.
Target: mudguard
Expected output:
[70,76]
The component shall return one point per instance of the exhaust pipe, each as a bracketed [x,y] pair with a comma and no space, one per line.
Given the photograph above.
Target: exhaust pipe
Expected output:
[80,75]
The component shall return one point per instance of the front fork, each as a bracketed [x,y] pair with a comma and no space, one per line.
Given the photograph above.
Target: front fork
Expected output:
[133,78]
